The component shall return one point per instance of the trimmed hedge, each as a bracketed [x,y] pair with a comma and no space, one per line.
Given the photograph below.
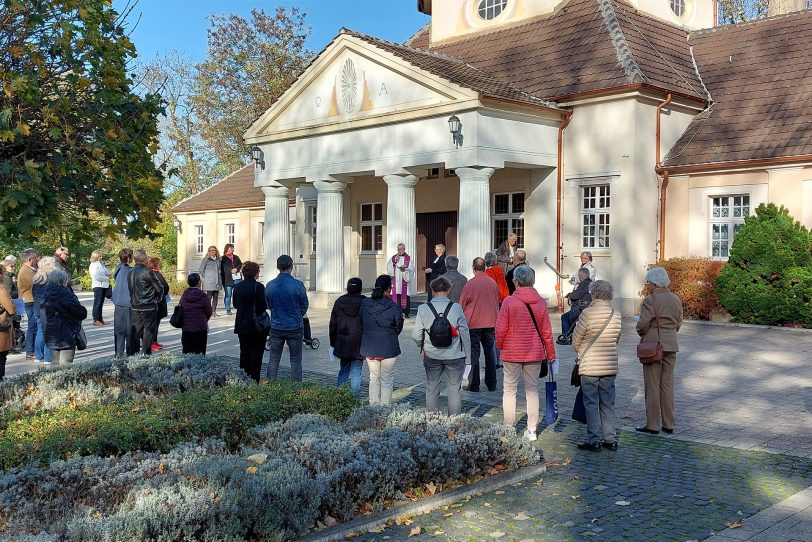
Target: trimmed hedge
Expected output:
[694,281]
[768,278]
[161,423]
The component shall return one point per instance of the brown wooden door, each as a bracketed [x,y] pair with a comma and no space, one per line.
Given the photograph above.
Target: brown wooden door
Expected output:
[433,229]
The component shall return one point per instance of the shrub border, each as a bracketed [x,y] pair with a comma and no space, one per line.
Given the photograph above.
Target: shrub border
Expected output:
[363,524]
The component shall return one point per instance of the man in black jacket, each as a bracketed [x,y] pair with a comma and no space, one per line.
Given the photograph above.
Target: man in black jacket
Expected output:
[520,259]
[145,293]
[346,330]
[579,299]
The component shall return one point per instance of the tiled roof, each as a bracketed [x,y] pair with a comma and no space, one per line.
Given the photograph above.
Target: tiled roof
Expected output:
[454,70]
[760,77]
[585,45]
[237,191]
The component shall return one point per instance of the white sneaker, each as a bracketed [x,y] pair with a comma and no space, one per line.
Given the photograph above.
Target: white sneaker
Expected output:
[530,435]
[47,362]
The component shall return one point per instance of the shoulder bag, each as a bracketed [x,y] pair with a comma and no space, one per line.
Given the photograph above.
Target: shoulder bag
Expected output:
[261,321]
[651,352]
[5,319]
[575,378]
[544,366]
[81,338]
[176,320]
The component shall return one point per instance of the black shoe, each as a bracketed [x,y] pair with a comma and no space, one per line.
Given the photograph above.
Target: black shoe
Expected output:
[468,388]
[498,365]
[228,313]
[491,389]
[612,446]
[590,446]
[668,431]
[647,430]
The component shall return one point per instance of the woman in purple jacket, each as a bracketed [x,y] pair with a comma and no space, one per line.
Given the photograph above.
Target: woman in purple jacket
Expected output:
[196,313]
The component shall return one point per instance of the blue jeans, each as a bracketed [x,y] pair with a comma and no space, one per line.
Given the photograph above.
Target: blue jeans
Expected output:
[566,323]
[228,290]
[277,340]
[41,350]
[485,337]
[453,369]
[31,333]
[98,303]
[599,404]
[351,371]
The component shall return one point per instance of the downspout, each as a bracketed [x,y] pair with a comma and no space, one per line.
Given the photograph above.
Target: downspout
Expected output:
[664,186]
[559,194]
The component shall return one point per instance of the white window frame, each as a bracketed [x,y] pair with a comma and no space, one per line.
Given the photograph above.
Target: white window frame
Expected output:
[600,192]
[484,7]
[375,222]
[731,221]
[511,216]
[200,238]
[312,217]
[230,233]
[261,237]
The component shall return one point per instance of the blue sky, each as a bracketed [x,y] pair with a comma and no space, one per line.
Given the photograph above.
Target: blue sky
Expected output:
[182,24]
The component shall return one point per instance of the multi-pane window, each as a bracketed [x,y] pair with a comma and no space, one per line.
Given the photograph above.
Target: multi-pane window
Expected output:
[199,239]
[726,218]
[371,227]
[230,233]
[678,7]
[595,216]
[311,222]
[491,9]
[508,217]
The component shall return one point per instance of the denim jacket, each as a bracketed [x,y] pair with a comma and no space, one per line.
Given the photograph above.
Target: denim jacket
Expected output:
[287,301]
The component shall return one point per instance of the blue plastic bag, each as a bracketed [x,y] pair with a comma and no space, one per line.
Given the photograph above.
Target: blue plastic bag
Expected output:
[551,397]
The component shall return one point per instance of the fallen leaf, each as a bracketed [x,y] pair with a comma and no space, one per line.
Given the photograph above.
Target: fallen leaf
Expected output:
[521,516]
[448,515]
[415,531]
[330,520]
[575,497]
[378,529]
[497,534]
[259,459]
[739,523]
[251,470]
[500,492]
[439,532]
[623,503]
[450,434]
[487,505]
[431,487]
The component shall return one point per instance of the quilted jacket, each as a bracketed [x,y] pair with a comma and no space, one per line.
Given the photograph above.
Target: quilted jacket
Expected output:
[516,336]
[601,359]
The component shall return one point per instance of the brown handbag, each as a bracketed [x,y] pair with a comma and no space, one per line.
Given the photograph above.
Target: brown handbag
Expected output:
[650,353]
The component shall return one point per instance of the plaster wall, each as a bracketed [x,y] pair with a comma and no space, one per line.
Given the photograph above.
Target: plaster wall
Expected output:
[698,13]
[453,18]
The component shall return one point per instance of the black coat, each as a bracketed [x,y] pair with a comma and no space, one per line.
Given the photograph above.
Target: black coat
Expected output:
[162,308]
[61,315]
[382,319]
[580,299]
[509,278]
[346,328]
[248,297]
[437,269]
[225,269]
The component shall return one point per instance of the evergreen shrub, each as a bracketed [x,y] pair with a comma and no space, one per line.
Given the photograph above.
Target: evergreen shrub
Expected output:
[768,278]
[694,281]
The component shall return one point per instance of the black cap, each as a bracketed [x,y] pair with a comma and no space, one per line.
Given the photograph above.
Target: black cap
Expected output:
[284,262]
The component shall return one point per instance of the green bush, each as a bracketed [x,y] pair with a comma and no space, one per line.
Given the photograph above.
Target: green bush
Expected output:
[768,278]
[694,281]
[161,423]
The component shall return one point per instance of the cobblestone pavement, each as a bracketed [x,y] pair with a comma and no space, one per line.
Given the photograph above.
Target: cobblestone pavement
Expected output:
[742,448]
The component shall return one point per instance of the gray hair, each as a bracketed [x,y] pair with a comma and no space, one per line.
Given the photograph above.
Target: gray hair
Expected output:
[658,277]
[57,277]
[583,273]
[28,254]
[601,289]
[452,262]
[140,256]
[520,256]
[440,246]
[524,275]
[490,259]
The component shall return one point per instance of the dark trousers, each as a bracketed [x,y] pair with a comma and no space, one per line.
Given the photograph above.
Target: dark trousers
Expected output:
[252,348]
[277,340]
[398,300]
[486,337]
[194,342]
[144,330]
[123,331]
[98,303]
[3,356]
[31,334]
[213,296]
[566,323]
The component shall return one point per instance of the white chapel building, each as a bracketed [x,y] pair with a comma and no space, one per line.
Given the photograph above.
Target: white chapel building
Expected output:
[635,130]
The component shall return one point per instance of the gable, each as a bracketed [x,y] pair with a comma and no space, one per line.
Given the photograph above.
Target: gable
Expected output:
[353,80]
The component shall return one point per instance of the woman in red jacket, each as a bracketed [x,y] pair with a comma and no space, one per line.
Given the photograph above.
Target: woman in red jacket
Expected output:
[525,345]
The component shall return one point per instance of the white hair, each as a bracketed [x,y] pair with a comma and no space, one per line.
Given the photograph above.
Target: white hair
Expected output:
[658,277]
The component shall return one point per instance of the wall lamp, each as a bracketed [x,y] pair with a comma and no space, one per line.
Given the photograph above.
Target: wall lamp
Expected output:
[177,224]
[455,126]
[258,157]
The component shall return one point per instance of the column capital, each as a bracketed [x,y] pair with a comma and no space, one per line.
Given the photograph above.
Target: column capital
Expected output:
[474,174]
[275,191]
[329,186]
[400,180]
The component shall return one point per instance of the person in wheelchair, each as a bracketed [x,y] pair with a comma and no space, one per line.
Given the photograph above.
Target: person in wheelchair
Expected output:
[579,299]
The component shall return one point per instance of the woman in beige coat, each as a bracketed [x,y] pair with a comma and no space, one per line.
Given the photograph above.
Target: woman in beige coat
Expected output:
[6,335]
[598,326]
[658,378]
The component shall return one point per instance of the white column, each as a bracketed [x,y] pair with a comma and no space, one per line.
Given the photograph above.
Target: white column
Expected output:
[275,232]
[330,237]
[401,224]
[474,224]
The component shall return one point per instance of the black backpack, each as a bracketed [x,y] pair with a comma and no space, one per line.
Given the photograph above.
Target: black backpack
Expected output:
[440,333]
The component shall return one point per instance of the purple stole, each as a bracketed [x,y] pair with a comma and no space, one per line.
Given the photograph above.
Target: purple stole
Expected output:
[405,285]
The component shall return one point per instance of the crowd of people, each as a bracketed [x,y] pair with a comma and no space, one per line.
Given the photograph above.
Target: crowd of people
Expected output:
[497,315]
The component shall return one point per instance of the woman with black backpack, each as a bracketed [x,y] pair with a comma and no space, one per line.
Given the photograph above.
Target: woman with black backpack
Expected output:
[441,332]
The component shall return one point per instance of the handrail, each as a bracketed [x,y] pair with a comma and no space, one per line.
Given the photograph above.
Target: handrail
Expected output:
[554,270]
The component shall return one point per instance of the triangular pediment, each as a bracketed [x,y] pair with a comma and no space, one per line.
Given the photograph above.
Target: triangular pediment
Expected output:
[351,82]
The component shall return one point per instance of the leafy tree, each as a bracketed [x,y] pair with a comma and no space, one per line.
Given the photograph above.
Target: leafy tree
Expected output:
[740,11]
[768,278]
[76,143]
[249,65]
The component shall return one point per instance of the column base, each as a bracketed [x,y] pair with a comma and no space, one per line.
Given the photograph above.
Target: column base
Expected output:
[322,300]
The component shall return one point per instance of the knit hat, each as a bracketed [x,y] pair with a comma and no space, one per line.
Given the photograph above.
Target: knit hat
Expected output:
[354,286]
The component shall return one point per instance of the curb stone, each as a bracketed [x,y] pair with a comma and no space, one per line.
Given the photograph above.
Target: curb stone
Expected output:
[746,326]
[365,523]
